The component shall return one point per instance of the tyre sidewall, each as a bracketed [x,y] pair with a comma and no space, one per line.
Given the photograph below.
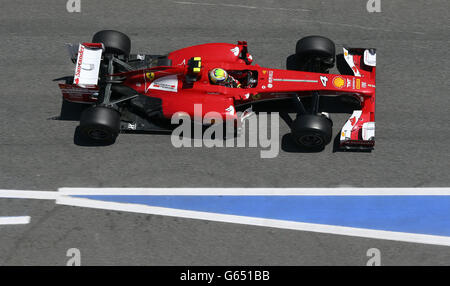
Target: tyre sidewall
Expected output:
[115,42]
[315,45]
[312,125]
[317,48]
[101,120]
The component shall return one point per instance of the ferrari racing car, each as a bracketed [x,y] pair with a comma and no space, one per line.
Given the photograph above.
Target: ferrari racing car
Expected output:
[141,92]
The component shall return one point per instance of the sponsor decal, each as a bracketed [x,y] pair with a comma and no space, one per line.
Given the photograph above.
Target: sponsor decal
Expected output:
[270,79]
[264,71]
[249,58]
[230,110]
[75,93]
[324,80]
[347,129]
[338,82]
[235,51]
[358,83]
[166,83]
[349,83]
[364,85]
[80,62]
[350,61]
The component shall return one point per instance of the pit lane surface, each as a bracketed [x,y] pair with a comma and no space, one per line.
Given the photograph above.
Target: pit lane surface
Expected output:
[38,153]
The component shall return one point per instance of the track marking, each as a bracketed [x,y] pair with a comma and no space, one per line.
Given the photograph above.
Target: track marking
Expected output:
[243,6]
[18,194]
[64,196]
[282,224]
[256,191]
[9,220]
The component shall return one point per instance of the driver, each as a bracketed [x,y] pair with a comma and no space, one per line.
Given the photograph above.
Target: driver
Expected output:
[221,77]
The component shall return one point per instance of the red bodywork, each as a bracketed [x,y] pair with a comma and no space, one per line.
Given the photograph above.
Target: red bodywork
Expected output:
[271,84]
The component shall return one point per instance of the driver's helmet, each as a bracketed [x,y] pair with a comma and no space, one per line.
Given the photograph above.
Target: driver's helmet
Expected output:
[218,75]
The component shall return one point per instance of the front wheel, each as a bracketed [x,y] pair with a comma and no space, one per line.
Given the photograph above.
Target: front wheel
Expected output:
[100,123]
[312,132]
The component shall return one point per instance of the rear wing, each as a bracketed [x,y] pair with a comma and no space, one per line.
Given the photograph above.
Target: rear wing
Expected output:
[358,132]
[87,57]
[83,88]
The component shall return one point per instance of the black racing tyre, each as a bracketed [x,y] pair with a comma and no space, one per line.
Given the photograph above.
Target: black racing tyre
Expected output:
[312,131]
[100,123]
[315,54]
[115,42]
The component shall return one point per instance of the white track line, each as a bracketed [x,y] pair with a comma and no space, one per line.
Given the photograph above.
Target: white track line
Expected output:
[18,194]
[331,229]
[49,195]
[8,220]
[243,6]
[256,191]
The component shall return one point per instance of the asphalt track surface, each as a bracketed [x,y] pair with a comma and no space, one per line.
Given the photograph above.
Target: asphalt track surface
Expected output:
[38,153]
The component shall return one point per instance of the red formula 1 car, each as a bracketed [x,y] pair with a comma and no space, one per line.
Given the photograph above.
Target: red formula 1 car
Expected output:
[133,92]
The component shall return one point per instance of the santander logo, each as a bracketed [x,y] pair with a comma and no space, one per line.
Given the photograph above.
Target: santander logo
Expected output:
[80,61]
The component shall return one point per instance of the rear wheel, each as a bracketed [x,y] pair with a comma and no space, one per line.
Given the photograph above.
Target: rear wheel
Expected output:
[315,54]
[100,123]
[115,42]
[312,132]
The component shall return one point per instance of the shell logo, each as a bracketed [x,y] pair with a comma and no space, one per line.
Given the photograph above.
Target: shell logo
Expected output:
[338,82]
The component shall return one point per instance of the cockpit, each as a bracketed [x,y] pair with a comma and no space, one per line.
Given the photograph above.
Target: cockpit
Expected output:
[247,78]
[234,78]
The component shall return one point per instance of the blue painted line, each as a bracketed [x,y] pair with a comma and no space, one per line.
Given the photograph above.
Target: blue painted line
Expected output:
[411,214]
